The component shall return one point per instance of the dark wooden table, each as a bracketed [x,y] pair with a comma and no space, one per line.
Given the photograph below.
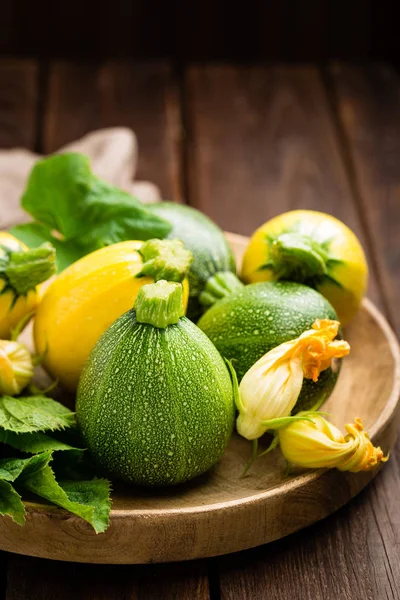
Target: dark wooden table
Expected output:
[242,144]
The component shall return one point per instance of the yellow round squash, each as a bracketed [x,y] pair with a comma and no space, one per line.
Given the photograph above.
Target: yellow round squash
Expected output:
[313,248]
[92,293]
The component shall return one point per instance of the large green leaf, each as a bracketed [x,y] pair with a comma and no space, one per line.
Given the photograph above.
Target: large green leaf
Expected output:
[63,195]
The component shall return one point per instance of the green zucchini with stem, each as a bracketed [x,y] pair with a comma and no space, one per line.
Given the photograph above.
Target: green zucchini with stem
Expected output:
[250,322]
[155,400]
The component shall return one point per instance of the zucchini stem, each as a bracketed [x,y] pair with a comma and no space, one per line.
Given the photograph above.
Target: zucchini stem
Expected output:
[296,257]
[165,259]
[218,286]
[25,270]
[159,304]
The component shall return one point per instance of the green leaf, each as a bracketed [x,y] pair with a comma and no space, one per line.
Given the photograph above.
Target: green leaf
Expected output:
[11,503]
[94,494]
[33,443]
[89,500]
[34,413]
[12,468]
[56,186]
[35,234]
[63,194]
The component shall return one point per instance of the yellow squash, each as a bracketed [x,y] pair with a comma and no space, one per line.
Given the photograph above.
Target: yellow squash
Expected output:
[92,293]
[313,248]
[21,270]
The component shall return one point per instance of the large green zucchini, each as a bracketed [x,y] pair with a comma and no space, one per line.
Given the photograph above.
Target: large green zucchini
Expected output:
[155,403]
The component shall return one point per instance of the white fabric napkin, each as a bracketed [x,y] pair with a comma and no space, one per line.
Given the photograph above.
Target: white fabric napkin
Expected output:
[113,154]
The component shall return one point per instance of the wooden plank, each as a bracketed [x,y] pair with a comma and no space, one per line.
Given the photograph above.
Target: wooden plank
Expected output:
[261,141]
[3,574]
[38,579]
[368,102]
[350,555]
[172,581]
[18,103]
[84,97]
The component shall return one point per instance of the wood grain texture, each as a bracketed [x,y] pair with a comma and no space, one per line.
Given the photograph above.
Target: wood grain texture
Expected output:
[221,511]
[347,556]
[368,104]
[261,142]
[49,580]
[84,97]
[18,103]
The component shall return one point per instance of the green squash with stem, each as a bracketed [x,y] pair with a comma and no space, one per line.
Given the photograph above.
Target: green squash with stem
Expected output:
[155,400]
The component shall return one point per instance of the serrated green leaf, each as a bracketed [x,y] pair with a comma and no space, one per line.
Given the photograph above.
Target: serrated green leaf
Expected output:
[94,493]
[11,503]
[33,443]
[63,194]
[34,413]
[89,500]
[12,468]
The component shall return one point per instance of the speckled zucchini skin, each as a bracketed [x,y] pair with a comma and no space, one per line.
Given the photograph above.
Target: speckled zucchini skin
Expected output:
[155,406]
[211,252]
[247,324]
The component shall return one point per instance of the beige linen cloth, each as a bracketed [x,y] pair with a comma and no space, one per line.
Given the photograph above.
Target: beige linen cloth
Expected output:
[113,154]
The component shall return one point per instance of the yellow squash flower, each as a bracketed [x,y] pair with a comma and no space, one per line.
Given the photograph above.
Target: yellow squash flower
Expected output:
[16,367]
[270,388]
[315,443]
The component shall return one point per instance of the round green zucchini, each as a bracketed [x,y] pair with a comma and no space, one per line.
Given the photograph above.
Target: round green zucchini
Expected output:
[155,402]
[248,323]
[206,241]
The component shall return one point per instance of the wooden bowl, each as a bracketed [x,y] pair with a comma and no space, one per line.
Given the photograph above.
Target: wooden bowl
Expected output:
[222,512]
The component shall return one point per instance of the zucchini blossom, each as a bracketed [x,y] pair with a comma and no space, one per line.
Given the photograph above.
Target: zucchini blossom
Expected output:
[270,388]
[16,367]
[315,443]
